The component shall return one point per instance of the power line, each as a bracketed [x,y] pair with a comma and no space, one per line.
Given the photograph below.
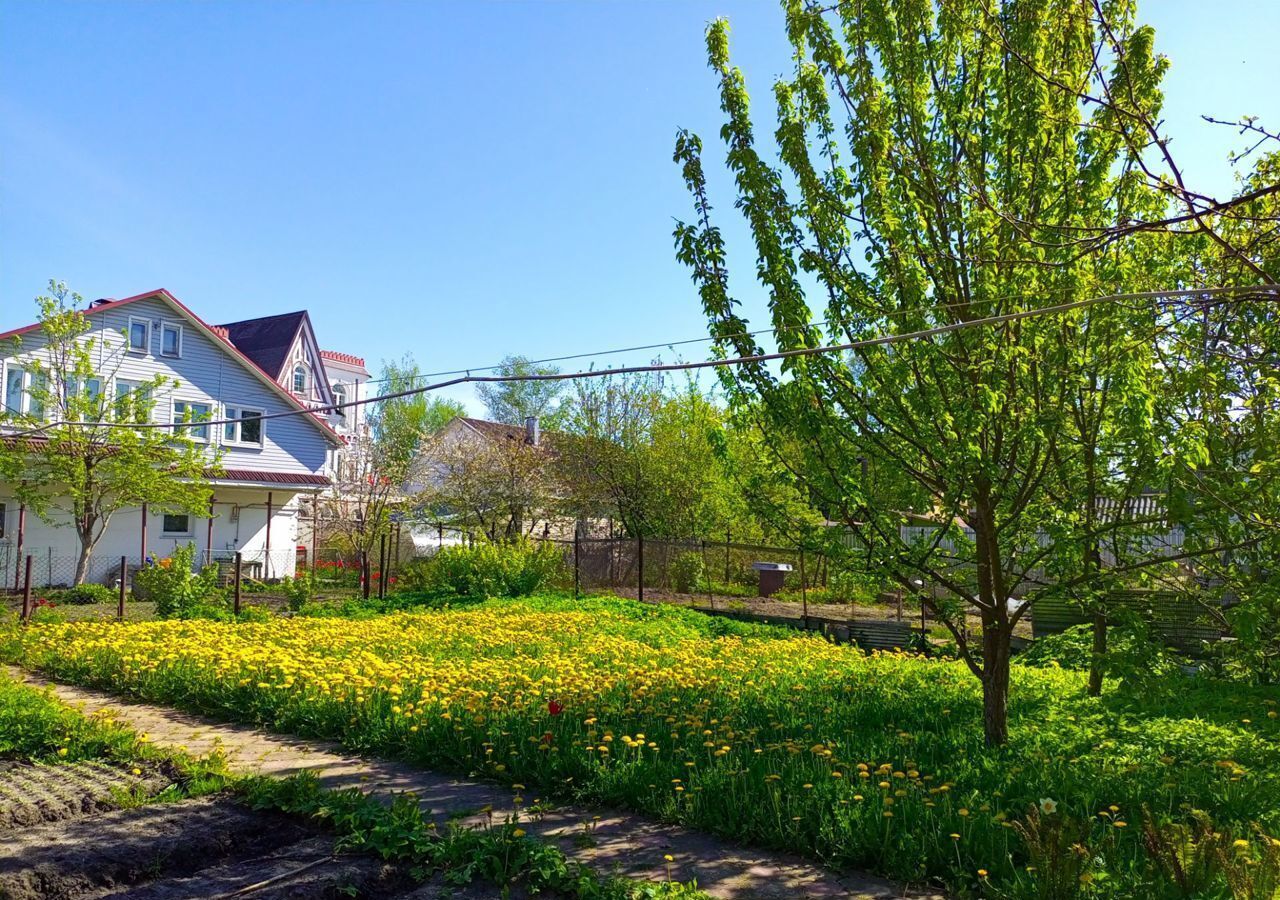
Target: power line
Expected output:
[879,340]
[705,340]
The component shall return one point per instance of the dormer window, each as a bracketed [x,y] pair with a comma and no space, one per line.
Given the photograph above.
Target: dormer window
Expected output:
[299,379]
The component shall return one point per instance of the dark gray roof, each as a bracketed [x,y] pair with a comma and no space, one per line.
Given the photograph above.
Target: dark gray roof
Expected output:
[266,341]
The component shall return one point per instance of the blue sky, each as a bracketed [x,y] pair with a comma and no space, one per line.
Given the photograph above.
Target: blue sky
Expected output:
[455,181]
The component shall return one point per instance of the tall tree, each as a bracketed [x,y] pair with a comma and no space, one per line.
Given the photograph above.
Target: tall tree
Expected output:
[74,466]
[937,164]
[378,465]
[513,402]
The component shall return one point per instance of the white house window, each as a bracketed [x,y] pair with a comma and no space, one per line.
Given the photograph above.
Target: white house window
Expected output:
[15,382]
[91,394]
[339,397]
[246,429]
[176,525]
[188,411]
[132,403]
[170,340]
[299,379]
[139,335]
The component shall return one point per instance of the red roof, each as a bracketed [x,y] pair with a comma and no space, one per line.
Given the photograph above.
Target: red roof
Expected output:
[293,478]
[346,358]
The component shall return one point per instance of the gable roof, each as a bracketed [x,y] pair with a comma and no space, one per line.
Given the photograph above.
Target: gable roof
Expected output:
[215,333]
[267,340]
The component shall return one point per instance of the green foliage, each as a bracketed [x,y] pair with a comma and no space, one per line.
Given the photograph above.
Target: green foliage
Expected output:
[178,590]
[687,572]
[1208,745]
[513,402]
[486,569]
[500,854]
[35,726]
[83,594]
[1134,655]
[298,591]
[98,469]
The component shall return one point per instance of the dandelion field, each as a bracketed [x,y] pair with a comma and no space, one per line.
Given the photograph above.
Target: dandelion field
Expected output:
[778,739]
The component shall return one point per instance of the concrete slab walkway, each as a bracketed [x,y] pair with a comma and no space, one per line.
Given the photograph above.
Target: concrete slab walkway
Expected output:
[609,841]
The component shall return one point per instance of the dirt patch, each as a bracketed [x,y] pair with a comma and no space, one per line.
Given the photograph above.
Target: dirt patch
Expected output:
[32,794]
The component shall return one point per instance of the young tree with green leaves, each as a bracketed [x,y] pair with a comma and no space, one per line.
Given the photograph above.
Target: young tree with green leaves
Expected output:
[937,165]
[378,466]
[513,402]
[72,465]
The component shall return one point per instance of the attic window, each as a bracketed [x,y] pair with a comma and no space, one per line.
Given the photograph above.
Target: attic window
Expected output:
[170,340]
[299,379]
[139,335]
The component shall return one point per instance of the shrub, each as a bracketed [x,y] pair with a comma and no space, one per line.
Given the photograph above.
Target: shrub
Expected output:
[687,572]
[1133,654]
[178,591]
[298,591]
[515,569]
[83,594]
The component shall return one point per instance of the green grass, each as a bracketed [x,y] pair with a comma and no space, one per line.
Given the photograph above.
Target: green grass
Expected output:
[765,735]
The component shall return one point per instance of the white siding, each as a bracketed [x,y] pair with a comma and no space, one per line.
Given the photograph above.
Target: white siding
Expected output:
[207,372]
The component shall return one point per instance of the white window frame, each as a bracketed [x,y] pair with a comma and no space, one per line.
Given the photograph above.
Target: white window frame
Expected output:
[24,395]
[132,389]
[128,336]
[293,379]
[191,429]
[188,532]
[175,327]
[237,412]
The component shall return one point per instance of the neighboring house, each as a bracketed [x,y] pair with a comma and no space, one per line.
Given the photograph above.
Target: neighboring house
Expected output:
[266,464]
[285,347]
[462,442]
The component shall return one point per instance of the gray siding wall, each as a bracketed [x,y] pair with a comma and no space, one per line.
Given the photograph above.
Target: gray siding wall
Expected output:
[207,372]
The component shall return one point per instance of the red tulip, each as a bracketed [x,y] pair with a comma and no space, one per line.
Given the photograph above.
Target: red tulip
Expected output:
[555,707]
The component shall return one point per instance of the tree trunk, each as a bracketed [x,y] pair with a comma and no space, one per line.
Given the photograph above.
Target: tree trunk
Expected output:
[82,563]
[995,682]
[1097,661]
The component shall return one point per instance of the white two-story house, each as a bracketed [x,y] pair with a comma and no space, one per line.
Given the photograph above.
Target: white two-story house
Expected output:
[266,465]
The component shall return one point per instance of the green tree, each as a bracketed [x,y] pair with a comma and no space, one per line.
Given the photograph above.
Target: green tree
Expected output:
[378,466]
[73,465]
[513,402]
[937,165]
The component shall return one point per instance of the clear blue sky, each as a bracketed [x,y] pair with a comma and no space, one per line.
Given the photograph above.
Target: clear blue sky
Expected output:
[457,181]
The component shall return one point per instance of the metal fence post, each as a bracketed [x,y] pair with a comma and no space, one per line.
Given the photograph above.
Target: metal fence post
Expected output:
[26,592]
[577,549]
[640,567]
[382,567]
[706,573]
[49,579]
[239,561]
[124,580]
[804,593]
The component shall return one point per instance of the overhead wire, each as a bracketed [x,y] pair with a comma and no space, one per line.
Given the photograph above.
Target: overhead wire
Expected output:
[878,340]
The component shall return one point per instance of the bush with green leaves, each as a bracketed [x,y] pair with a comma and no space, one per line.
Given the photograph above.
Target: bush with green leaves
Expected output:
[687,572]
[298,591]
[512,569]
[83,595]
[177,589]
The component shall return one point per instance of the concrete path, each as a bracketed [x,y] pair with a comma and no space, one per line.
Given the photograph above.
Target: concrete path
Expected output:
[609,841]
